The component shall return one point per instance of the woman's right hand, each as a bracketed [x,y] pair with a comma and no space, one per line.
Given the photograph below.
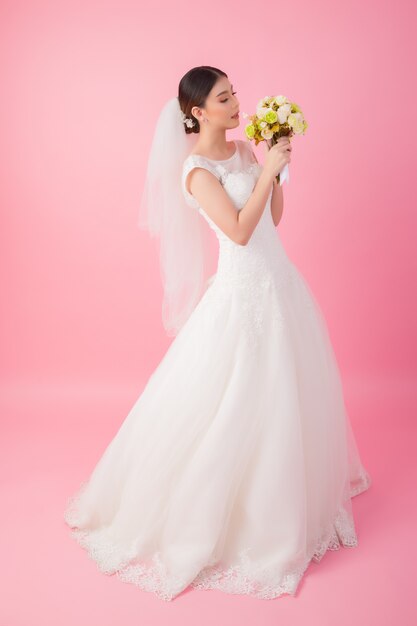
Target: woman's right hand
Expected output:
[278,156]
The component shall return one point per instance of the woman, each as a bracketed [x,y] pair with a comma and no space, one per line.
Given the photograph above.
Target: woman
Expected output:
[236,466]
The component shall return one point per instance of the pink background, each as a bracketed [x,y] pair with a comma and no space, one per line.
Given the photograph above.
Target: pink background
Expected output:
[82,85]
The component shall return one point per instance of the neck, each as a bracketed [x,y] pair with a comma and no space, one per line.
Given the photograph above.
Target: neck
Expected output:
[212,143]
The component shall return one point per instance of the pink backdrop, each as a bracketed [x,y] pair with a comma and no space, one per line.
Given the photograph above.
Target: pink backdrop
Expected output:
[82,85]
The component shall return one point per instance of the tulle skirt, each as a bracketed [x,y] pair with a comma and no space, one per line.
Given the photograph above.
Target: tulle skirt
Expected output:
[236,466]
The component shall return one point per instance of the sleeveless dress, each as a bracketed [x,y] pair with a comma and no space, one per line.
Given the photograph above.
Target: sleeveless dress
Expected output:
[236,466]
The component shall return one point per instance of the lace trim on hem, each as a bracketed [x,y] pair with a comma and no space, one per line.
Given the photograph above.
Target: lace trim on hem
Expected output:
[245,577]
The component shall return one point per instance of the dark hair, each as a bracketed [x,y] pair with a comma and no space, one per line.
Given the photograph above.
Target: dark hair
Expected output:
[193,90]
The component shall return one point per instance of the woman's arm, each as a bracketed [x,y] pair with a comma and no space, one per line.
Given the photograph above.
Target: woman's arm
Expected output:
[212,197]
[277,199]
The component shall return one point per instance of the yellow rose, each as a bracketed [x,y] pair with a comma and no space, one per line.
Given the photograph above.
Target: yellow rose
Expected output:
[250,131]
[271,116]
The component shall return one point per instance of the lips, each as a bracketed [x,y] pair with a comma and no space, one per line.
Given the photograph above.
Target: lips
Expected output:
[236,115]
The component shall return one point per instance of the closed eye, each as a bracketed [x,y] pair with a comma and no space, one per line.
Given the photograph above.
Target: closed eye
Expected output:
[233,93]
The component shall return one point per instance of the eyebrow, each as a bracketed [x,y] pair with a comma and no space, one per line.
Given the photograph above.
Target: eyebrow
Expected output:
[219,94]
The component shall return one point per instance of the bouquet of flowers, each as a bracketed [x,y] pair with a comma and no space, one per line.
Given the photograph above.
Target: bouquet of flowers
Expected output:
[275,117]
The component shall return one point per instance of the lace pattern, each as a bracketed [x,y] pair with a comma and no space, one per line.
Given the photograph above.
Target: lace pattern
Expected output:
[251,289]
[244,577]
[251,270]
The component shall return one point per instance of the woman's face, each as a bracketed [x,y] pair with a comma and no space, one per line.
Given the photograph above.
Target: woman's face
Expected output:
[221,105]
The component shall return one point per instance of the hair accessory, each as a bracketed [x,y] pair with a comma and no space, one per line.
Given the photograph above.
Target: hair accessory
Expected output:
[187,120]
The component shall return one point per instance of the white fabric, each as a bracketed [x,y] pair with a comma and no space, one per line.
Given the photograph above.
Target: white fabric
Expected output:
[236,465]
[184,244]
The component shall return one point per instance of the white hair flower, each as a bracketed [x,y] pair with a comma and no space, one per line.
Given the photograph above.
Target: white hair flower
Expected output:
[188,121]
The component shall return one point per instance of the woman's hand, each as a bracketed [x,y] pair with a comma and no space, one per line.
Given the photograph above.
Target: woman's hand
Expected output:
[278,155]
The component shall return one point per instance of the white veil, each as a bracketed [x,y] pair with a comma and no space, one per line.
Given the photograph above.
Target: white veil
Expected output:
[184,239]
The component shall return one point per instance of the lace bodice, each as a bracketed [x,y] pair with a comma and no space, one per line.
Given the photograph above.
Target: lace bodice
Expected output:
[262,263]
[243,159]
[237,174]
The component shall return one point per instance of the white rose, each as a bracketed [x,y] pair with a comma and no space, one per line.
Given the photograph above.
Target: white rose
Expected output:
[260,111]
[283,112]
[263,102]
[281,100]
[267,134]
[296,121]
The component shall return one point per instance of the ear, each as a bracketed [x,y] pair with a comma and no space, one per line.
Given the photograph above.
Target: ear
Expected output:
[196,112]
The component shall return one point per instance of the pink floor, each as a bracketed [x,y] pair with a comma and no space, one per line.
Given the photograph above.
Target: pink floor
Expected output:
[51,439]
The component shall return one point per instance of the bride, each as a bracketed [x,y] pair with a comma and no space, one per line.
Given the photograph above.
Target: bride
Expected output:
[236,466]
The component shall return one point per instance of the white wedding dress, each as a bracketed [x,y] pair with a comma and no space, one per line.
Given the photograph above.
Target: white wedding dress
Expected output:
[236,466]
